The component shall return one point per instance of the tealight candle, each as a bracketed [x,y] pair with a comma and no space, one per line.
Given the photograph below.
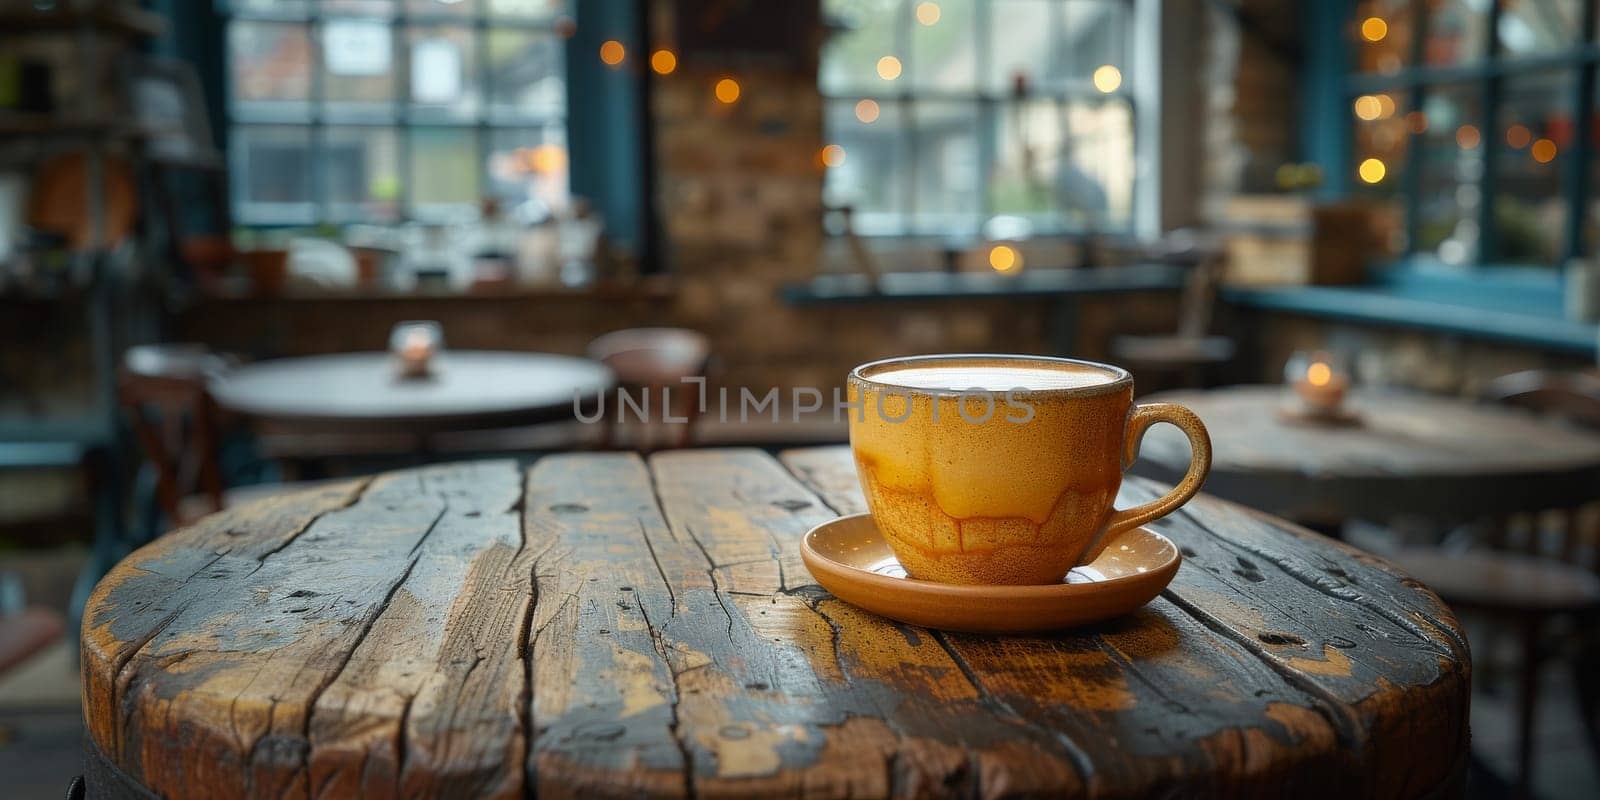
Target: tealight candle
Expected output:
[1321,388]
[414,345]
[1320,383]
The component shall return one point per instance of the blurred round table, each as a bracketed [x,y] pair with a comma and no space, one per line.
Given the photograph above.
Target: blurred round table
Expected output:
[363,392]
[1442,457]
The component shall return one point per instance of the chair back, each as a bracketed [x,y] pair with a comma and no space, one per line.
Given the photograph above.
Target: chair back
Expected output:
[1570,534]
[162,389]
[656,360]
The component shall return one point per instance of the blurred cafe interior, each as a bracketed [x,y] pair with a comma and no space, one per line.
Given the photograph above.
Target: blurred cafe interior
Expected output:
[231,231]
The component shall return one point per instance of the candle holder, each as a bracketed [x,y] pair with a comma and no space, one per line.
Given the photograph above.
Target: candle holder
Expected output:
[1318,384]
[415,344]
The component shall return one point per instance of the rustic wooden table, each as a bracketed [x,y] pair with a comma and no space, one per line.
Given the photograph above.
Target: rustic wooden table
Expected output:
[1443,458]
[602,626]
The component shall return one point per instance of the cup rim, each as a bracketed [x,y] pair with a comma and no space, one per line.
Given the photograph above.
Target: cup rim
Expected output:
[1121,378]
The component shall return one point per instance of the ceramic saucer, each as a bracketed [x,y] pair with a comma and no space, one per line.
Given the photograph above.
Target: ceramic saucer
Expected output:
[849,558]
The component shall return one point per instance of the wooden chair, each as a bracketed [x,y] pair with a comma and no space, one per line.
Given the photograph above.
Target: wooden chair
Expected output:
[1532,570]
[652,361]
[162,389]
[1191,350]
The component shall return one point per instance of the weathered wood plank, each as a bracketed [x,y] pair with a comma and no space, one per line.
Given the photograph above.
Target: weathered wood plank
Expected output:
[144,593]
[431,701]
[1352,687]
[603,695]
[222,696]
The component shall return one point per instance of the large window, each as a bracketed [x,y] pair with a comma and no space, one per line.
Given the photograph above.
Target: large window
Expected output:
[1469,118]
[381,110]
[943,115]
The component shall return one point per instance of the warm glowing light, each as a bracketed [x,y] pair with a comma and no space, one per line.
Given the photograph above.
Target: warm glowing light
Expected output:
[1518,136]
[1385,106]
[1467,137]
[663,62]
[1543,151]
[611,52]
[1373,29]
[1417,121]
[545,159]
[832,155]
[1372,170]
[727,90]
[1107,78]
[1004,258]
[867,111]
[1319,374]
[1368,108]
[927,13]
[888,68]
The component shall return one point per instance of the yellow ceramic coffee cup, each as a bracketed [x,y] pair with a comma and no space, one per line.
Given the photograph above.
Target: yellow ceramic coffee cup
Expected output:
[997,469]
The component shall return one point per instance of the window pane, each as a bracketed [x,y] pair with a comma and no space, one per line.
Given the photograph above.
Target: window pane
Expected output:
[526,8]
[527,170]
[271,65]
[945,175]
[1536,132]
[441,8]
[1455,33]
[525,73]
[1093,35]
[1538,27]
[1019,44]
[365,8]
[1382,31]
[850,57]
[272,173]
[444,168]
[1451,153]
[944,46]
[358,70]
[361,169]
[1384,128]
[286,9]
[1064,164]
[873,177]
[444,72]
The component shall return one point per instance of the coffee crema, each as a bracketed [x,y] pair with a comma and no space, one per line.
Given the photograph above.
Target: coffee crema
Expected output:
[991,377]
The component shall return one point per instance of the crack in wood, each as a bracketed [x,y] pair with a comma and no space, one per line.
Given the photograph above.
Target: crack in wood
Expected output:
[1081,762]
[1307,575]
[1341,717]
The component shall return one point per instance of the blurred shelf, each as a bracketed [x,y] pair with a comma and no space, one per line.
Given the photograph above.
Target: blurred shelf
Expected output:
[1397,307]
[648,289]
[118,19]
[28,442]
[31,123]
[858,288]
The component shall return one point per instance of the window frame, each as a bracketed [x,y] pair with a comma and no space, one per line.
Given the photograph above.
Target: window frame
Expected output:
[399,117]
[1489,75]
[988,106]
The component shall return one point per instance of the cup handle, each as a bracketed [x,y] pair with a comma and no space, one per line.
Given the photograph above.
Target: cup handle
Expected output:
[1140,418]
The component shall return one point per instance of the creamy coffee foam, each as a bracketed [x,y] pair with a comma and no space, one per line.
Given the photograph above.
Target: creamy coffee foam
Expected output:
[991,377]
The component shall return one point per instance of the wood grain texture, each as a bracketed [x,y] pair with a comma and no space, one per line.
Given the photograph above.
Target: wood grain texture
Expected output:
[1439,456]
[604,626]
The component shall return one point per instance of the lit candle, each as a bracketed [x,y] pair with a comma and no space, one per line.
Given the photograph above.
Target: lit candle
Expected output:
[416,351]
[1321,389]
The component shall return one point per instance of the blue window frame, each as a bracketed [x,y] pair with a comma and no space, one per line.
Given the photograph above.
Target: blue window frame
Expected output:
[1473,119]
